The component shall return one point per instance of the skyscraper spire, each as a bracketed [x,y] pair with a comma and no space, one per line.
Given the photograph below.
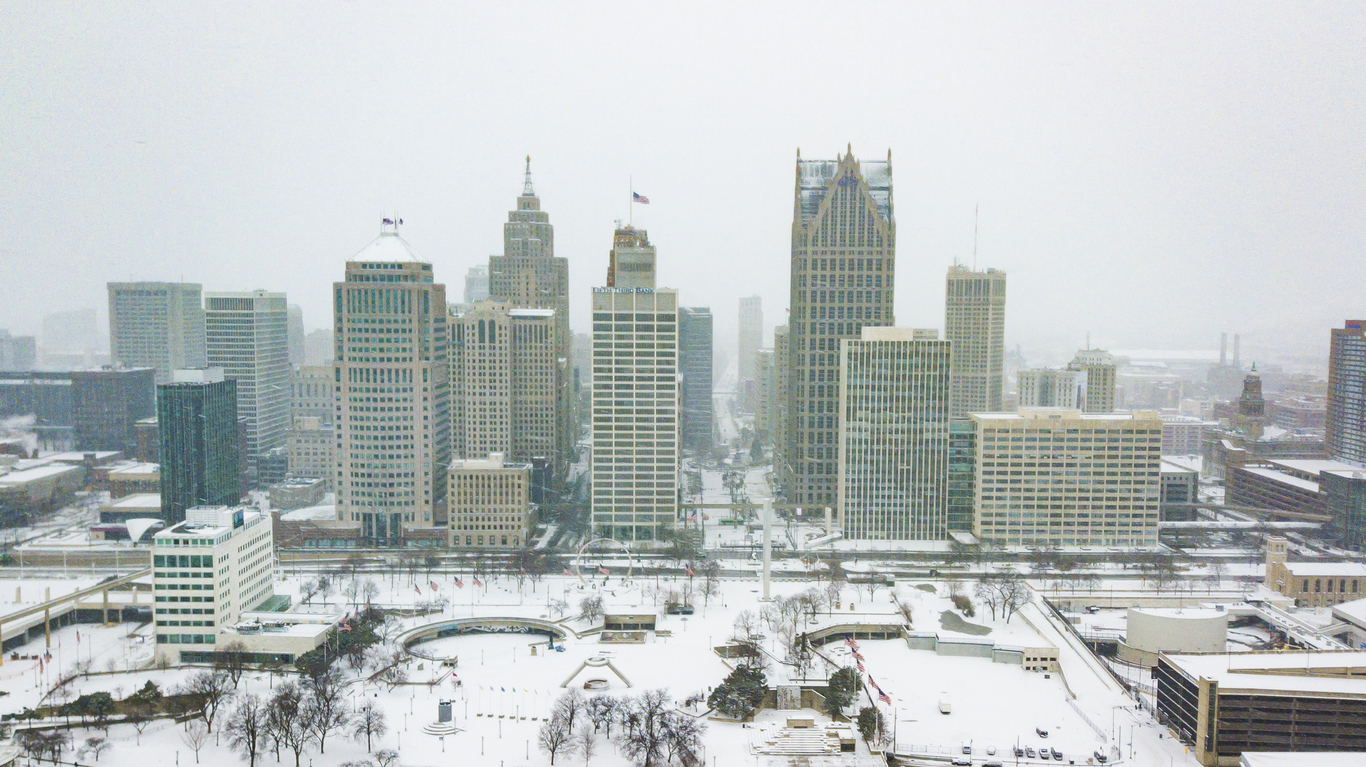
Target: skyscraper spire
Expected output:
[527,190]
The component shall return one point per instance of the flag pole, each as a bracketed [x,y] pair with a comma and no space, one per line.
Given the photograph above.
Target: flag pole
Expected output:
[631,203]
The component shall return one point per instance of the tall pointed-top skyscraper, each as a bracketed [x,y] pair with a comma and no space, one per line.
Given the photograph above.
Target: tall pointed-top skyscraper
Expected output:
[393,428]
[843,270]
[974,323]
[529,276]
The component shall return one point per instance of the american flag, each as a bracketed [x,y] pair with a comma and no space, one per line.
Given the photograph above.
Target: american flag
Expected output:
[417,588]
[851,643]
[603,570]
[859,663]
[882,696]
[640,198]
[459,584]
[388,222]
[857,655]
[688,569]
[567,571]
[433,585]
[344,627]
[478,582]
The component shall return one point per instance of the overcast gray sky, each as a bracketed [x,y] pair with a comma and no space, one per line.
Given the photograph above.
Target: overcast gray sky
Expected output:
[1151,173]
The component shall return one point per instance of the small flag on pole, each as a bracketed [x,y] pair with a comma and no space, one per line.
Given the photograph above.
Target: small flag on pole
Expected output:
[640,198]
[851,643]
[478,582]
[567,571]
[882,696]
[390,221]
[603,570]
[459,584]
[433,585]
[857,655]
[688,569]
[859,663]
[416,588]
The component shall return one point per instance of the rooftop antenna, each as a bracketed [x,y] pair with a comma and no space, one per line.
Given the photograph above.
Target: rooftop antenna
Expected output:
[975,209]
[1088,340]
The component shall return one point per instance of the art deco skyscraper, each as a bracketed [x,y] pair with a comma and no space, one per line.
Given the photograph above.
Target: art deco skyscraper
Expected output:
[156,325]
[1345,421]
[530,276]
[974,322]
[635,401]
[843,271]
[393,428]
[247,335]
[695,365]
[894,435]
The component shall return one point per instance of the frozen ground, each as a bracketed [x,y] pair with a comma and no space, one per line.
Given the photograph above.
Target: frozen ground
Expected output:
[993,704]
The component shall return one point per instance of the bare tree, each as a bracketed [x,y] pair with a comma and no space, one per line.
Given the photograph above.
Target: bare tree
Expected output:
[210,690]
[905,609]
[573,707]
[326,706]
[590,609]
[587,742]
[247,728]
[988,589]
[602,711]
[555,736]
[326,587]
[232,659]
[644,739]
[287,720]
[386,757]
[196,736]
[682,738]
[369,723]
[308,589]
[96,746]
[558,607]
[711,581]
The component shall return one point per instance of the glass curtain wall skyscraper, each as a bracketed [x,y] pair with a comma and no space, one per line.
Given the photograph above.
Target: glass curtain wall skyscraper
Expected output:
[843,270]
[1345,420]
[695,365]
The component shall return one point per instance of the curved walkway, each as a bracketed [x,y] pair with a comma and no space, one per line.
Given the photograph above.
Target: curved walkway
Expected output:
[441,629]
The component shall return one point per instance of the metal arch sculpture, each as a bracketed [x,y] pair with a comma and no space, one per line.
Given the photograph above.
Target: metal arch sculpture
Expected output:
[578,555]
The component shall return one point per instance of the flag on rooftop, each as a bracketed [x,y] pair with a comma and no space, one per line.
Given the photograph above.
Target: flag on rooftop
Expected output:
[388,222]
[640,198]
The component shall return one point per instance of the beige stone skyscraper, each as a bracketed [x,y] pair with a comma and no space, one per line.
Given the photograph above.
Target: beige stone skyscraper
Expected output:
[974,322]
[393,426]
[503,380]
[843,268]
[1101,373]
[156,325]
[529,276]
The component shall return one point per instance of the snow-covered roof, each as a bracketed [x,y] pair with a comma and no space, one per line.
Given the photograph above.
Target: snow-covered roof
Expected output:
[1310,466]
[1274,671]
[1352,612]
[1283,478]
[37,473]
[388,246]
[1335,569]
[1301,758]
[137,501]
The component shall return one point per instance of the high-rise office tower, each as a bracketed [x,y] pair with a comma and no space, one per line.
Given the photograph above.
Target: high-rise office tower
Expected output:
[782,361]
[632,261]
[1345,421]
[635,406]
[1100,370]
[197,426]
[156,325]
[751,338]
[974,322]
[843,271]
[530,276]
[247,335]
[763,408]
[503,381]
[1059,500]
[477,284]
[1052,388]
[695,366]
[393,427]
[894,434]
[296,334]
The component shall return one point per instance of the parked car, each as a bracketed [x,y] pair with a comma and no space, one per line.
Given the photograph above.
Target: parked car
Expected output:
[991,751]
[680,610]
[1041,732]
[1029,752]
[1019,752]
[967,749]
[1057,755]
[962,761]
[992,763]
[1100,758]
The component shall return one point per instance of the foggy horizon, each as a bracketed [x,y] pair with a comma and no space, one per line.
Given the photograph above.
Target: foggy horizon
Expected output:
[1152,180]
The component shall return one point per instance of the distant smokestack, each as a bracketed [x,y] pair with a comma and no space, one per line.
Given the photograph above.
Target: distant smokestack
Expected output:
[1237,342]
[1223,349]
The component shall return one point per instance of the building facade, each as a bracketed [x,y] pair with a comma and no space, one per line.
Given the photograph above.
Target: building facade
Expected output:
[247,335]
[530,276]
[1051,388]
[490,503]
[477,284]
[1051,477]
[961,497]
[391,378]
[635,412]
[312,449]
[1345,417]
[763,409]
[894,435]
[159,325]
[975,322]
[1184,434]
[312,393]
[751,338]
[198,431]
[843,268]
[1101,379]
[782,361]
[206,571]
[695,368]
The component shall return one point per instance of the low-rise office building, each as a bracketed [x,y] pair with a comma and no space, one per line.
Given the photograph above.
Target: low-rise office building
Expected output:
[488,504]
[1312,584]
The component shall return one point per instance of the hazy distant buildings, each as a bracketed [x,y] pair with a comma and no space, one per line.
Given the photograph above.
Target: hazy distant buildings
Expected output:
[1051,388]
[477,284]
[894,434]
[843,267]
[17,353]
[1345,420]
[751,338]
[312,393]
[1055,477]
[318,347]
[1100,369]
[1184,434]
[695,369]
[393,427]
[296,334]
[974,322]
[530,276]
[635,398]
[247,335]
[158,325]
[198,431]
[71,336]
